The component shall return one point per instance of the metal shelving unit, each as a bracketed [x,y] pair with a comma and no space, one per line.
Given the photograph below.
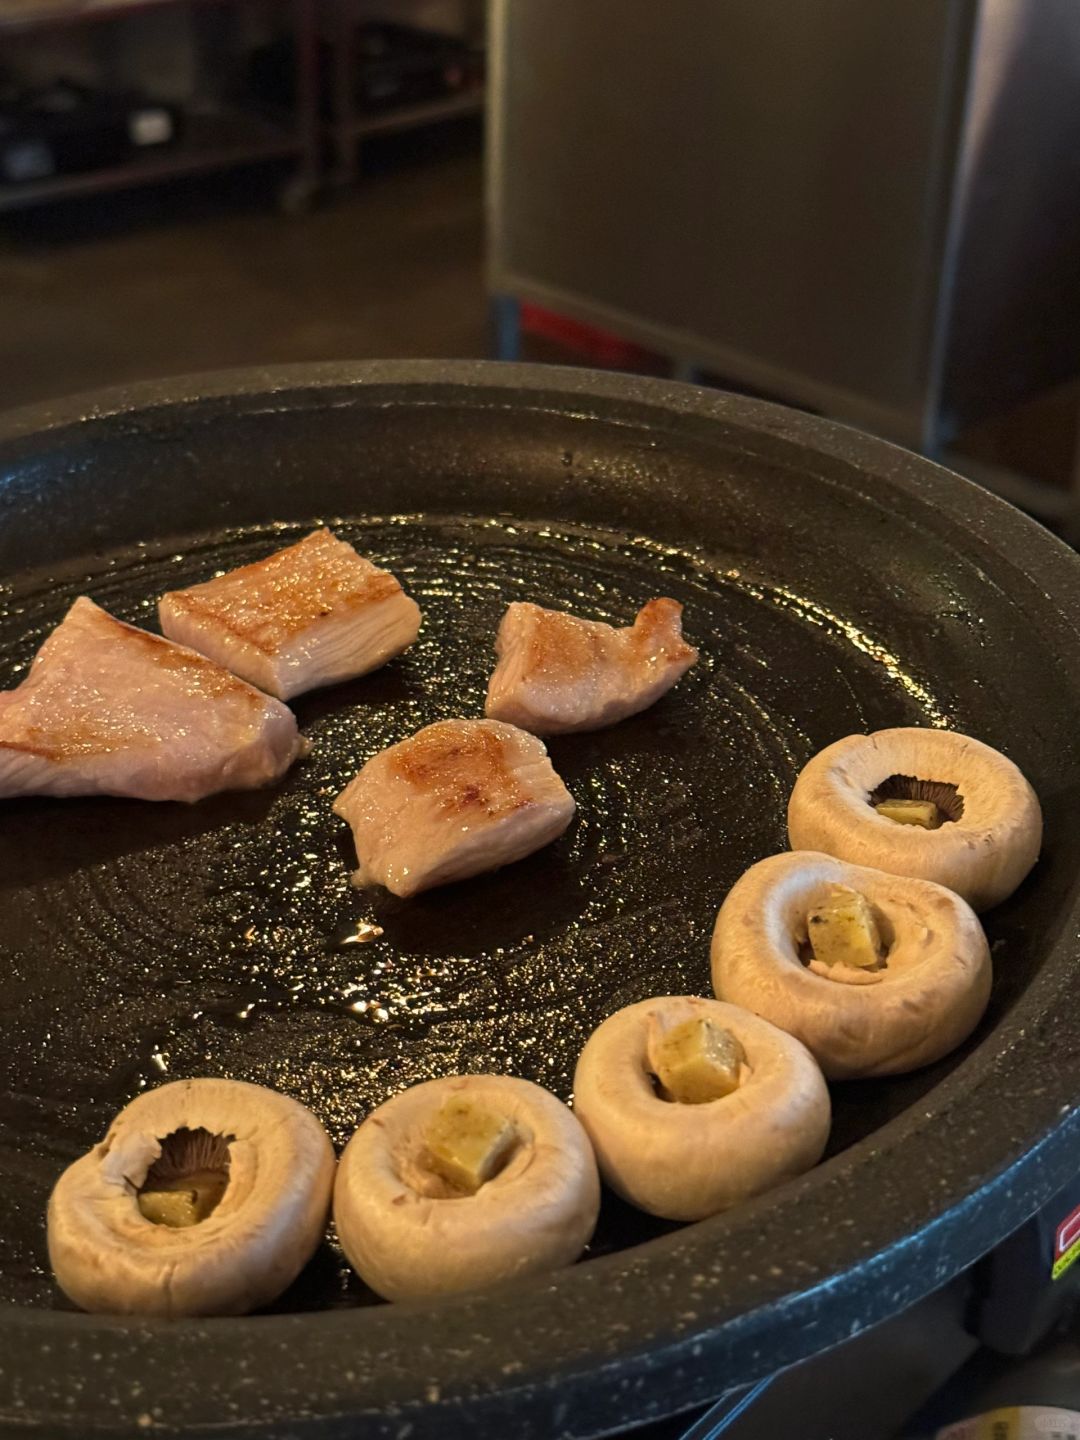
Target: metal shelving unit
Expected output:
[238,134]
[26,15]
[229,135]
[348,123]
[424,112]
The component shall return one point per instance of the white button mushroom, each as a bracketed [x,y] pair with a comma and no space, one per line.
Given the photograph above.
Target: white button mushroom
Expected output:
[975,826]
[922,996]
[764,1116]
[206,1197]
[464,1182]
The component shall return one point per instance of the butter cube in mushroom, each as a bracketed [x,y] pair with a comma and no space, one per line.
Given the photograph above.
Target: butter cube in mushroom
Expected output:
[696,1061]
[206,1197]
[910,812]
[175,1208]
[188,1179]
[684,1162]
[410,1232]
[843,930]
[988,828]
[919,1005]
[469,1143]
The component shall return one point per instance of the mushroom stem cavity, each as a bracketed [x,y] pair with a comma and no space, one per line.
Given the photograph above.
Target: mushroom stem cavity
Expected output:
[205,1197]
[907,800]
[469,1143]
[844,931]
[187,1181]
[696,1061]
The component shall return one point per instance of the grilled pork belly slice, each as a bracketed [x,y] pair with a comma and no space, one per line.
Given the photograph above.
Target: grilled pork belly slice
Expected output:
[313,614]
[107,709]
[455,799]
[557,673]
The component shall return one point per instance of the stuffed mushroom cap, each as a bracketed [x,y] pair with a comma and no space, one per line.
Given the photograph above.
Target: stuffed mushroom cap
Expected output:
[928,995]
[278,1168]
[411,1234]
[688,1161]
[992,824]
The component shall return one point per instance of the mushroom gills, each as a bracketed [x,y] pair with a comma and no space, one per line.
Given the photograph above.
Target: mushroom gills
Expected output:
[468,1144]
[187,1181]
[907,800]
[843,931]
[696,1062]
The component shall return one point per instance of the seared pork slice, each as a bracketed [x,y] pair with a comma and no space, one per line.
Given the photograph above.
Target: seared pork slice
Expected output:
[107,709]
[310,615]
[557,673]
[455,799]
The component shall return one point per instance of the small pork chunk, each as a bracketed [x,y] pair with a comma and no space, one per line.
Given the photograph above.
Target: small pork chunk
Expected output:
[557,673]
[107,709]
[310,615]
[455,799]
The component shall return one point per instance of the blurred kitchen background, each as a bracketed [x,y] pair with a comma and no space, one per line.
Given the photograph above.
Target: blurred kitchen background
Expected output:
[869,210]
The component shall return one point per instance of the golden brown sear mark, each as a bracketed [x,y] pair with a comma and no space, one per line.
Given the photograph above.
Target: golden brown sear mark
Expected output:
[268,602]
[211,678]
[652,631]
[93,726]
[462,767]
[560,647]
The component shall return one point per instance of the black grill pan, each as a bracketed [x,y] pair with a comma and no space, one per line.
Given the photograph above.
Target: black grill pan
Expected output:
[833,584]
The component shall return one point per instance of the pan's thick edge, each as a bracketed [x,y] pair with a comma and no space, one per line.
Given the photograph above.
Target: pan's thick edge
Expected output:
[659,1327]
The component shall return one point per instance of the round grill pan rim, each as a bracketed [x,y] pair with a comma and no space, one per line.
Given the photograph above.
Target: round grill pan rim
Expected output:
[786,1320]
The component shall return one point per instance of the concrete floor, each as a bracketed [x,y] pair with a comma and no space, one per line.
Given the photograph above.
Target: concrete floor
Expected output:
[199,276]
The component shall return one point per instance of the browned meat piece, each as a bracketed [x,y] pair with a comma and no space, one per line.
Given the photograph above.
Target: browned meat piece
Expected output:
[107,709]
[310,615]
[557,673]
[455,799]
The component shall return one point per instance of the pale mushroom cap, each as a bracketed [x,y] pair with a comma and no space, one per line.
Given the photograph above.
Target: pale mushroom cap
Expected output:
[929,996]
[108,1257]
[408,1236]
[983,856]
[685,1162]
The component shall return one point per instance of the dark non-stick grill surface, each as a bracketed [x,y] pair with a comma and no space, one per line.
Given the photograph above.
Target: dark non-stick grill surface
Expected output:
[226,939]
[149,942]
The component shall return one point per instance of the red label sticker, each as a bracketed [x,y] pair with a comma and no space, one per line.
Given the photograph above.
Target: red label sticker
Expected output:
[1067,1243]
[1068,1232]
